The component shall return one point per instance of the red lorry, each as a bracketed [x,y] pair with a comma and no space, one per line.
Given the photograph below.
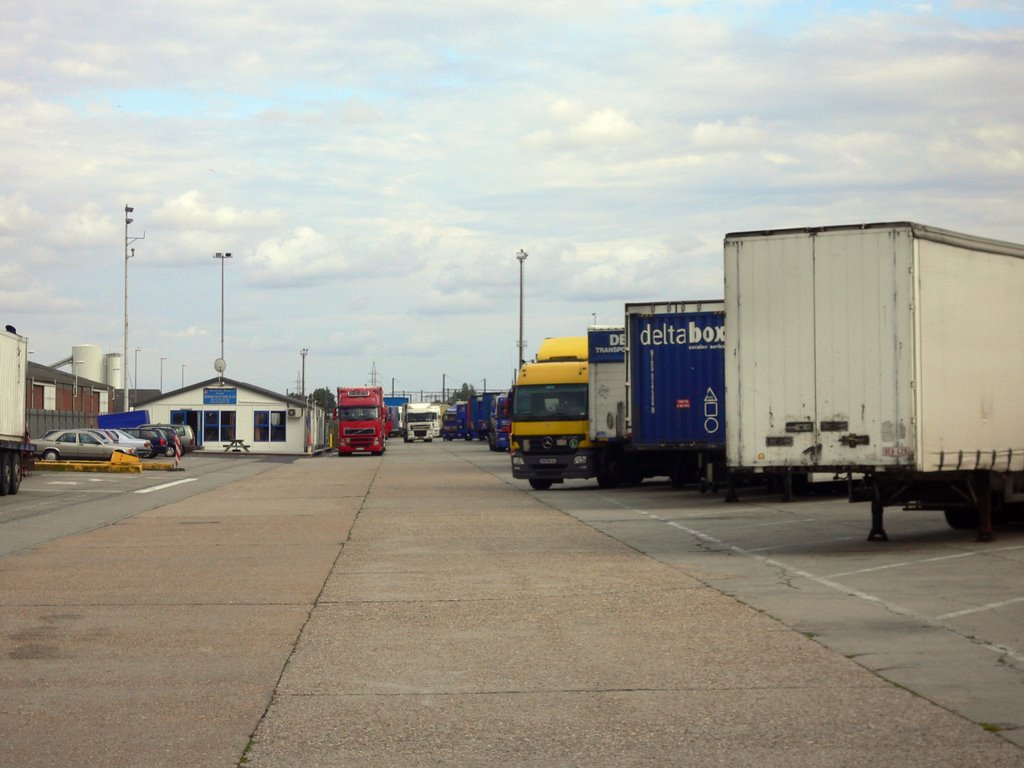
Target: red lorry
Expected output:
[361,420]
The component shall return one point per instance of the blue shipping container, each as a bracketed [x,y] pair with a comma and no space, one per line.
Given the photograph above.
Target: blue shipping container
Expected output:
[677,377]
[122,419]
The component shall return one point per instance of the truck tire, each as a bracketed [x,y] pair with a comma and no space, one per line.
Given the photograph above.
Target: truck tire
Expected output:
[962,518]
[5,472]
[15,473]
[540,485]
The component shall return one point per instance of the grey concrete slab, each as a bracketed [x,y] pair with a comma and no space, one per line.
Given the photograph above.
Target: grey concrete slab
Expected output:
[418,610]
[137,685]
[158,639]
[789,727]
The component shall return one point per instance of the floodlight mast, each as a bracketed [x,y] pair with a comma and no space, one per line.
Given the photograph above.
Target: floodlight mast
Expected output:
[124,357]
[521,257]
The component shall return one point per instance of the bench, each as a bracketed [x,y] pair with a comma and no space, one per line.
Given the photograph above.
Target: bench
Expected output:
[236,446]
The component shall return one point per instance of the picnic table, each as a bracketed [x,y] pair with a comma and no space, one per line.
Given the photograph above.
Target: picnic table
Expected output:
[237,446]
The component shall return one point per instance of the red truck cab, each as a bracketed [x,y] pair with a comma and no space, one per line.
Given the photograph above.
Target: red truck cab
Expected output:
[361,421]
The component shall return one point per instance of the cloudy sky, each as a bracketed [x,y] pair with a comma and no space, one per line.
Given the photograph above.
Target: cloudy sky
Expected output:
[373,167]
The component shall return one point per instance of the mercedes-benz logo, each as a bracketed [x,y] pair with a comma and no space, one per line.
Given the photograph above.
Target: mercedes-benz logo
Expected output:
[548,443]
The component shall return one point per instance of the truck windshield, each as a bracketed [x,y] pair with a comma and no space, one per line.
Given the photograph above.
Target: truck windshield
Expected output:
[550,402]
[357,413]
[416,417]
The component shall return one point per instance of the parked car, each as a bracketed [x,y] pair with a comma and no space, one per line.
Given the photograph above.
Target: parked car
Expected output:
[186,436]
[167,431]
[77,444]
[141,445]
[158,440]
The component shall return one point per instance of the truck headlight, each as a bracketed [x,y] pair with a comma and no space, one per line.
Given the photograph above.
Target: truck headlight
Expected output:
[579,459]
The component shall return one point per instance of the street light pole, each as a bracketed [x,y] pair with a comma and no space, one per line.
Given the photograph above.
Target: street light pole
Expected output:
[127,241]
[162,374]
[135,378]
[183,365]
[223,257]
[304,351]
[521,257]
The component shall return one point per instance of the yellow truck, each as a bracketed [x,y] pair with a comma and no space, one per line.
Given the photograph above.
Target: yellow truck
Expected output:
[548,439]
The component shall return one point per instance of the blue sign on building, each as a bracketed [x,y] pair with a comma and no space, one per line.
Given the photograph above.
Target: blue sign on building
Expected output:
[220,396]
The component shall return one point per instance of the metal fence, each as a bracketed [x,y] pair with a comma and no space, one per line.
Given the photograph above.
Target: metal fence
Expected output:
[40,421]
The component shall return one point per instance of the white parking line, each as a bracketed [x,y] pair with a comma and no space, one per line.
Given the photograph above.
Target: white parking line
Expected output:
[980,608]
[167,485]
[836,586]
[908,563]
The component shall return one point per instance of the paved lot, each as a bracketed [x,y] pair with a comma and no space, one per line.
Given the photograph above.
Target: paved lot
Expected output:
[421,609]
[932,610]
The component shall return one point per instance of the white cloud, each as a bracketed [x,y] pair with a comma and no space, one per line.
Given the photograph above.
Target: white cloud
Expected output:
[306,255]
[373,170]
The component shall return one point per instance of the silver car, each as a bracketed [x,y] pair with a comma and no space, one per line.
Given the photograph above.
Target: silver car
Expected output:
[77,444]
[142,446]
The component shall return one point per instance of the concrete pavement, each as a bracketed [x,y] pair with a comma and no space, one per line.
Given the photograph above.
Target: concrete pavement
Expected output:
[417,611]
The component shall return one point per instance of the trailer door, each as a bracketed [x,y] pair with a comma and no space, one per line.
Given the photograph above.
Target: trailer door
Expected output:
[770,350]
[863,346]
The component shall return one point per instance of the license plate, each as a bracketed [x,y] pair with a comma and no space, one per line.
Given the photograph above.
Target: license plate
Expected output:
[548,461]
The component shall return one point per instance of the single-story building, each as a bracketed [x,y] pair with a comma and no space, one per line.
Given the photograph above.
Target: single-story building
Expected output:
[225,413]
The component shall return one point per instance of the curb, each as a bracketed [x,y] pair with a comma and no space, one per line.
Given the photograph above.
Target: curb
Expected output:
[90,466]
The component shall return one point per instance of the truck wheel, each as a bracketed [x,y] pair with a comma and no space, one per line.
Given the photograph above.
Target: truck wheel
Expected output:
[962,518]
[540,485]
[50,455]
[5,472]
[15,473]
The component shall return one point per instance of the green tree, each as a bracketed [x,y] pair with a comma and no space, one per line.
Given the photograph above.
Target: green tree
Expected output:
[464,393]
[325,399]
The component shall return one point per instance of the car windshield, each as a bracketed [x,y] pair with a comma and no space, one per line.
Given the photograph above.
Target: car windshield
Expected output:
[550,402]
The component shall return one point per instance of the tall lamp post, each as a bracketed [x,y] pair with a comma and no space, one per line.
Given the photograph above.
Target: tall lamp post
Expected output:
[223,257]
[304,351]
[521,257]
[183,366]
[162,374]
[127,241]
[135,378]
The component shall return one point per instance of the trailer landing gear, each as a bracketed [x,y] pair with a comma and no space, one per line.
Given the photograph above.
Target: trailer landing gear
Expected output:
[877,530]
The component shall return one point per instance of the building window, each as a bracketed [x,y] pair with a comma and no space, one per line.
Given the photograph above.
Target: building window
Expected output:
[269,426]
[211,426]
[218,426]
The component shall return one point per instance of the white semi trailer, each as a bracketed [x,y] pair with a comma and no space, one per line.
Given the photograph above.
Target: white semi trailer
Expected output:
[14,445]
[894,350]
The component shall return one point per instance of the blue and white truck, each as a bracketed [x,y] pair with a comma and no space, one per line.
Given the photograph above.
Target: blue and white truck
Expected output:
[675,382]
[655,394]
